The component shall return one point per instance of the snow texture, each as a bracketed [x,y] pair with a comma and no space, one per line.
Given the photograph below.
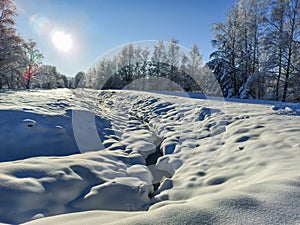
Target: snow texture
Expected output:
[125,157]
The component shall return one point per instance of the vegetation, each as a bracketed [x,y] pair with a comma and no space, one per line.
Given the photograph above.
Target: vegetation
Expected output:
[166,68]
[257,55]
[20,61]
[258,50]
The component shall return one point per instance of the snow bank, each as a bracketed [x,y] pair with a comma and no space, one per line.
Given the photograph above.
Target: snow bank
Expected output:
[157,159]
[292,109]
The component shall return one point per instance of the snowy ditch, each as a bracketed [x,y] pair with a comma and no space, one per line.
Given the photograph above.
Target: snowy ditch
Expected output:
[157,130]
[123,155]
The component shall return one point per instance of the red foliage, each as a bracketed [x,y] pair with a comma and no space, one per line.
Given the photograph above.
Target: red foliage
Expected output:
[29,73]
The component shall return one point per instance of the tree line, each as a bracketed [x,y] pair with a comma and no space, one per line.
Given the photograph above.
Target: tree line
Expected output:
[258,50]
[166,67]
[256,55]
[21,64]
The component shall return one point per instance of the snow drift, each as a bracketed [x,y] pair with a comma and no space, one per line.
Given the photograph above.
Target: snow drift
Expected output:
[125,157]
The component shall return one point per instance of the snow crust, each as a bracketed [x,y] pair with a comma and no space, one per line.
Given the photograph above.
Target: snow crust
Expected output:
[93,157]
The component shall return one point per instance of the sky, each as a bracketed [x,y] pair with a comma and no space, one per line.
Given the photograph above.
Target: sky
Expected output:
[87,30]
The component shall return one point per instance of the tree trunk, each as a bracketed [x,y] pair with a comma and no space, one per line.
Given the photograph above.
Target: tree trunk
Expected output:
[279,76]
[28,84]
[290,50]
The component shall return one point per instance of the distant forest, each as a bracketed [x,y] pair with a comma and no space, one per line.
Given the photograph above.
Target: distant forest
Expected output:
[256,55]
[167,67]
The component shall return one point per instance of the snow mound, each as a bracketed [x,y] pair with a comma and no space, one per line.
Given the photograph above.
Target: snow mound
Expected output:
[292,109]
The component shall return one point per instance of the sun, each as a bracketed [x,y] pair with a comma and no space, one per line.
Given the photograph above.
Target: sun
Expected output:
[62,41]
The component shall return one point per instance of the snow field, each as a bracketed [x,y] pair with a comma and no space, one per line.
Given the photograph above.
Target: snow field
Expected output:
[157,158]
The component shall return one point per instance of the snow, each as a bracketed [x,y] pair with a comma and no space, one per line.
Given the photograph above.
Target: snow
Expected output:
[128,157]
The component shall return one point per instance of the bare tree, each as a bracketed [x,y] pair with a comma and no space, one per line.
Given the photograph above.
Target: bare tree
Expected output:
[33,59]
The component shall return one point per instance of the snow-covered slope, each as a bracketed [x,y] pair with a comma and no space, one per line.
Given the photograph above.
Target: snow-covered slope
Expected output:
[126,157]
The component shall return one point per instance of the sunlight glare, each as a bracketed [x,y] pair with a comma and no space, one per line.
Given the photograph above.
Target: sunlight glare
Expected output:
[62,41]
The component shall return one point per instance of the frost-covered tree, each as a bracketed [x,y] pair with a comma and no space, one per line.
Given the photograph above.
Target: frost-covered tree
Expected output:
[10,46]
[173,56]
[224,58]
[258,49]
[107,76]
[159,59]
[184,61]
[50,78]
[275,43]
[125,61]
[250,44]
[79,80]
[138,68]
[145,57]
[282,47]
[33,59]
[293,46]
[239,59]
[195,61]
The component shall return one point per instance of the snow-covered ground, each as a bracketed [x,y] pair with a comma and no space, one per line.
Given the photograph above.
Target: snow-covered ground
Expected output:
[127,157]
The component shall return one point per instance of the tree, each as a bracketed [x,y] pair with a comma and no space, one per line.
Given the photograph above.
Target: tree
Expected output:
[239,45]
[275,42]
[173,56]
[33,59]
[282,47]
[65,81]
[293,37]
[126,59]
[145,57]
[132,63]
[195,62]
[10,46]
[251,33]
[8,38]
[78,80]
[224,58]
[47,78]
[159,58]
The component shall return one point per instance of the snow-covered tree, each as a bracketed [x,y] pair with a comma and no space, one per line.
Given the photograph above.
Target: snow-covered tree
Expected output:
[159,59]
[173,56]
[33,59]
[195,62]
[132,68]
[10,47]
[50,78]
[293,45]
[145,57]
[250,43]
[282,46]
[224,58]
[79,80]
[275,43]
[239,48]
[125,61]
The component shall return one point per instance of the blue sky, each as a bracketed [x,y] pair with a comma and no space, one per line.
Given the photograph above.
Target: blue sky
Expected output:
[97,26]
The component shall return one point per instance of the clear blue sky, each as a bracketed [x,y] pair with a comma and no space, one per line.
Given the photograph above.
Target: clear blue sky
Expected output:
[97,26]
